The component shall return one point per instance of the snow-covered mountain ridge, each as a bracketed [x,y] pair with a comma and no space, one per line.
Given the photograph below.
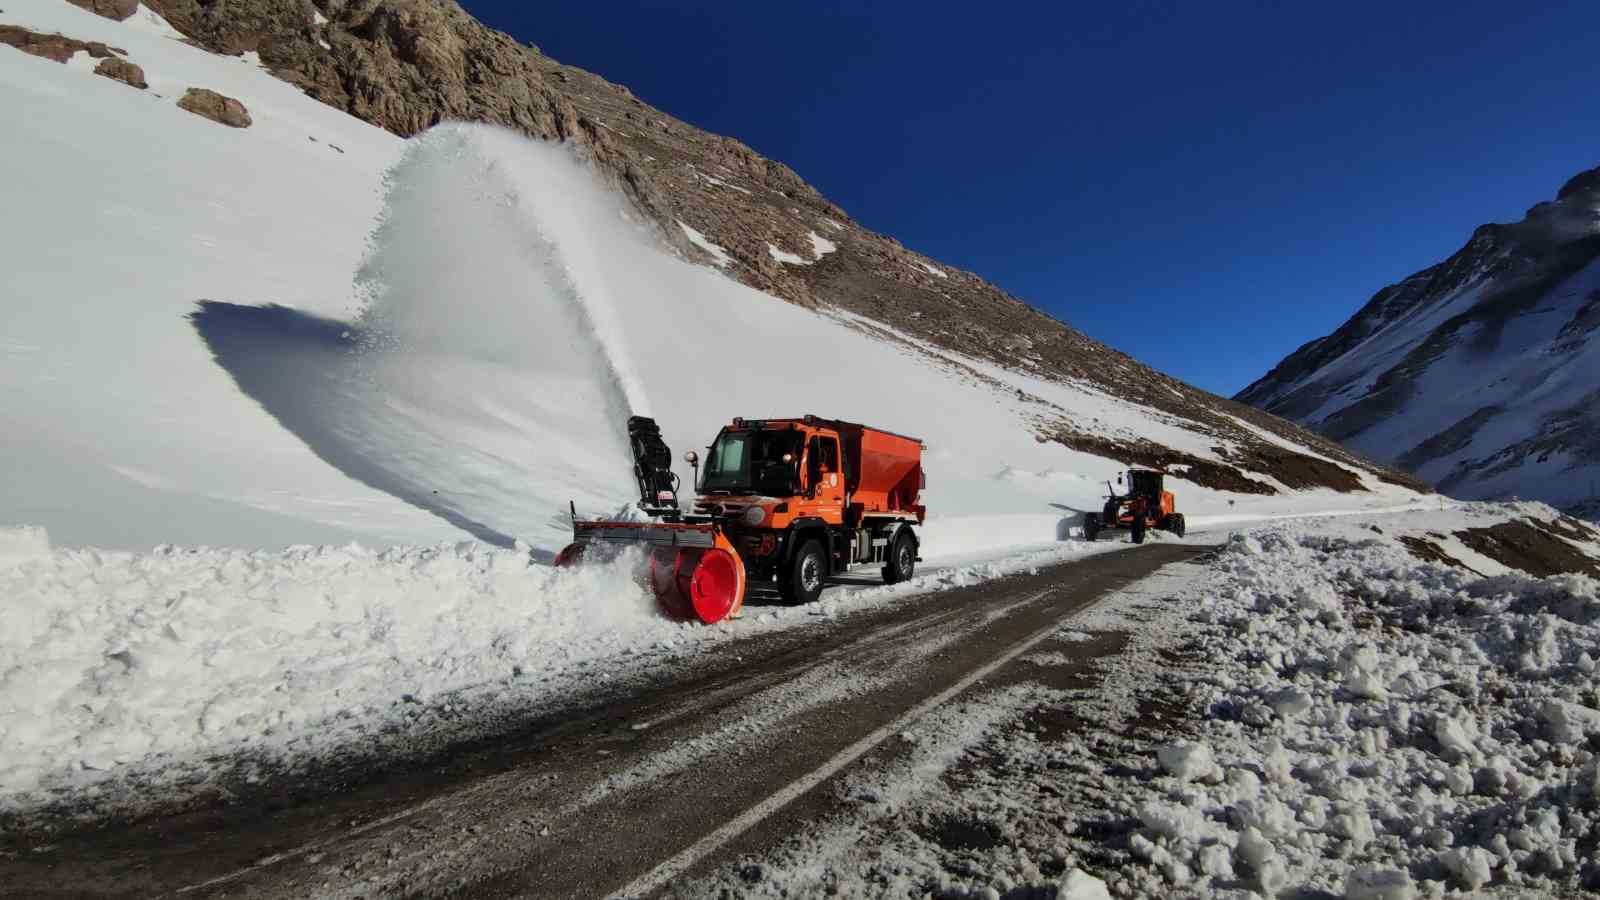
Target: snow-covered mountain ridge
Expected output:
[1480,374]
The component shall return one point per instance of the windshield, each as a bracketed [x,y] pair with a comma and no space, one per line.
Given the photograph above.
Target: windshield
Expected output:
[1146,483]
[752,462]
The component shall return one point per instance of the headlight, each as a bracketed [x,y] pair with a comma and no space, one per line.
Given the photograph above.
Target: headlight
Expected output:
[755,515]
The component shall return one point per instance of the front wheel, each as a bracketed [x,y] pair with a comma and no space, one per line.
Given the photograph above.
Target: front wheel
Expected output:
[902,561]
[1091,527]
[802,582]
[1177,525]
[1138,528]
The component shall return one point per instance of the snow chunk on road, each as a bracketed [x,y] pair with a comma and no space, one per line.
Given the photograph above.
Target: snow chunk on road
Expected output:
[1372,883]
[1289,703]
[1189,762]
[1470,865]
[1080,885]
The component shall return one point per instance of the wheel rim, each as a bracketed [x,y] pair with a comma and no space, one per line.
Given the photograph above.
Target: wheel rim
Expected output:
[905,559]
[811,573]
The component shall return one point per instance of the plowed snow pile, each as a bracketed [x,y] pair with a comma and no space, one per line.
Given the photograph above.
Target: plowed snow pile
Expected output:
[1382,727]
[116,665]
[1319,713]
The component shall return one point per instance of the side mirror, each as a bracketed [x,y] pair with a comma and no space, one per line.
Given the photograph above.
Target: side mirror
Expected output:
[1119,479]
[691,457]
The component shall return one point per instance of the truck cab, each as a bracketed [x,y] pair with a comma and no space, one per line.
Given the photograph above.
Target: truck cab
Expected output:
[805,498]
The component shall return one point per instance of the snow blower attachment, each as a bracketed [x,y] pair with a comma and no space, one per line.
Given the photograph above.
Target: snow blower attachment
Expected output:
[691,566]
[652,466]
[790,501]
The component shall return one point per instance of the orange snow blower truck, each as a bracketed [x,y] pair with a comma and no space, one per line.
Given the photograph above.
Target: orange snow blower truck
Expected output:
[1146,505]
[790,501]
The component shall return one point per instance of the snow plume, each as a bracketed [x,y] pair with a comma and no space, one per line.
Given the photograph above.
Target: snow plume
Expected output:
[486,379]
[485,238]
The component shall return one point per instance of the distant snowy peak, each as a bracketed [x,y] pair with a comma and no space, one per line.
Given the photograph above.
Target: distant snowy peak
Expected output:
[1479,373]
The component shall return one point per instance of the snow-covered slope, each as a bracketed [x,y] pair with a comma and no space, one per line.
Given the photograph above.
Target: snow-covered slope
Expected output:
[1480,374]
[312,331]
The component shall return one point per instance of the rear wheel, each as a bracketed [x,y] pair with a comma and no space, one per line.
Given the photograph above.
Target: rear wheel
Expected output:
[1138,528]
[801,582]
[1091,527]
[1176,524]
[901,563]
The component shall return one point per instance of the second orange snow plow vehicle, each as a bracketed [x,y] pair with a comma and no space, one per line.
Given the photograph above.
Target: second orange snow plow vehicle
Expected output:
[790,501]
[1147,505]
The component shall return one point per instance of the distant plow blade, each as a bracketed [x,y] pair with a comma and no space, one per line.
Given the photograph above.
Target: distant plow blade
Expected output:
[693,569]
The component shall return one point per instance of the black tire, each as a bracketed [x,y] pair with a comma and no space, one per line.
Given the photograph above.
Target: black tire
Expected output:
[1178,527]
[901,562]
[801,581]
[1091,527]
[1138,529]
[1108,513]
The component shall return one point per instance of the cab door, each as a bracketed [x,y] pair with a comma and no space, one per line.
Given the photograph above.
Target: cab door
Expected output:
[825,479]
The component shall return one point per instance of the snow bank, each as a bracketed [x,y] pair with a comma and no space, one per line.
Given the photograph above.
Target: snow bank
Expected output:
[115,658]
[1380,727]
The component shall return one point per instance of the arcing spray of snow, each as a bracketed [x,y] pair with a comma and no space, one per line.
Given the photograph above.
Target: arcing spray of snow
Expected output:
[487,235]
[486,380]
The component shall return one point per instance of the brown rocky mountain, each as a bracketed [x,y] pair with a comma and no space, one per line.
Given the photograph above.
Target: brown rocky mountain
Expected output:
[408,64]
[1480,373]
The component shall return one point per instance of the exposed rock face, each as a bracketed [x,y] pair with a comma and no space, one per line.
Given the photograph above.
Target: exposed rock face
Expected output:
[408,64]
[216,107]
[123,71]
[50,46]
[1481,373]
[111,9]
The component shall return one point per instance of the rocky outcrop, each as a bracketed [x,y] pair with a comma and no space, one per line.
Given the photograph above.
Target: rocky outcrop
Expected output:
[111,9]
[51,46]
[1481,373]
[121,70]
[214,106]
[406,65]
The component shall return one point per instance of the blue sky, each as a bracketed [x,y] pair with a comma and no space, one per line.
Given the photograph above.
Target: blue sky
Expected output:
[1203,185]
